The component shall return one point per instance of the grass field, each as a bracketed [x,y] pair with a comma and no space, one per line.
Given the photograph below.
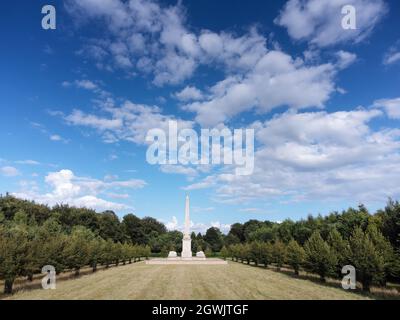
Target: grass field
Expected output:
[232,281]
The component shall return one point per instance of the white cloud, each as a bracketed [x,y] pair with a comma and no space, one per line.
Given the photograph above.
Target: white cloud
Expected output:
[316,155]
[56,137]
[173,224]
[345,58]
[8,171]
[129,122]
[86,84]
[28,162]
[66,187]
[319,21]
[197,227]
[79,118]
[250,210]
[265,87]
[178,169]
[200,209]
[391,107]
[392,56]
[189,93]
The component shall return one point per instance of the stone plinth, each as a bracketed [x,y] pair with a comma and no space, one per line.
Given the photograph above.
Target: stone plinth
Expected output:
[186,248]
[200,255]
[187,261]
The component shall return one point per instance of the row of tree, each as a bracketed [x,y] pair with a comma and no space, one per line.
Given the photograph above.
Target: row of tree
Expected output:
[368,251]
[107,225]
[25,248]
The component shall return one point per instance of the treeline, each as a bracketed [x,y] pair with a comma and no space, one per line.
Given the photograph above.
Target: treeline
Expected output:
[323,245]
[369,252]
[34,236]
[131,229]
[69,238]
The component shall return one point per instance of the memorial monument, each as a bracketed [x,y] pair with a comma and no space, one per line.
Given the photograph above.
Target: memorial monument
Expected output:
[187,241]
[186,254]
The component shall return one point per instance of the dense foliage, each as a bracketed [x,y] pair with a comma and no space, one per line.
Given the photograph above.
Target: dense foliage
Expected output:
[69,238]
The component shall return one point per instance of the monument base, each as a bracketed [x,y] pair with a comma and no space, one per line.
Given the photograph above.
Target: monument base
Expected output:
[188,261]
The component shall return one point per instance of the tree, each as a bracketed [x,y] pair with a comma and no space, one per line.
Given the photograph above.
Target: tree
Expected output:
[95,253]
[151,225]
[224,253]
[133,229]
[285,230]
[391,222]
[251,226]
[278,254]
[13,252]
[295,255]
[237,231]
[110,227]
[263,234]
[231,239]
[208,252]
[265,253]
[320,258]
[77,250]
[51,242]
[340,248]
[256,252]
[368,262]
[214,239]
[385,250]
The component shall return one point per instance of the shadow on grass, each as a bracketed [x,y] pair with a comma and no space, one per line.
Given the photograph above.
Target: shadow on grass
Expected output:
[22,284]
[379,293]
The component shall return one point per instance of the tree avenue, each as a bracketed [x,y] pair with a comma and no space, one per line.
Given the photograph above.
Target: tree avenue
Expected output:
[69,238]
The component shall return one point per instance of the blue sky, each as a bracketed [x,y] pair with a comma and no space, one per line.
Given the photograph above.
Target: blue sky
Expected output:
[324,103]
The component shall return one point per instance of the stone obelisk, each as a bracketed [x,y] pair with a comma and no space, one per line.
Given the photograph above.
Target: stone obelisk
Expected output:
[187,241]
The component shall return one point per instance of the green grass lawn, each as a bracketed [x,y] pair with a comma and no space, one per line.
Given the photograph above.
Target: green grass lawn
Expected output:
[232,281]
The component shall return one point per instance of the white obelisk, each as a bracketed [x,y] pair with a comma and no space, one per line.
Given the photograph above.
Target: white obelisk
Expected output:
[187,241]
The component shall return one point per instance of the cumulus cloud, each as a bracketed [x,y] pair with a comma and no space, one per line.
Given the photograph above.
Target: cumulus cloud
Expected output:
[316,155]
[155,39]
[391,107]
[265,87]
[68,188]
[189,93]
[9,171]
[319,21]
[128,122]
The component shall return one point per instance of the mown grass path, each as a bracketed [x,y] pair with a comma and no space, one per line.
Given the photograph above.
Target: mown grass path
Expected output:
[232,281]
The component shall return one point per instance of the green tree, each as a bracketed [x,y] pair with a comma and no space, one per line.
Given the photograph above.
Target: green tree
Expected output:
[278,254]
[224,253]
[340,248]
[110,227]
[367,260]
[77,250]
[133,228]
[320,258]
[295,255]
[237,231]
[13,253]
[265,253]
[385,250]
[214,239]
[391,222]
